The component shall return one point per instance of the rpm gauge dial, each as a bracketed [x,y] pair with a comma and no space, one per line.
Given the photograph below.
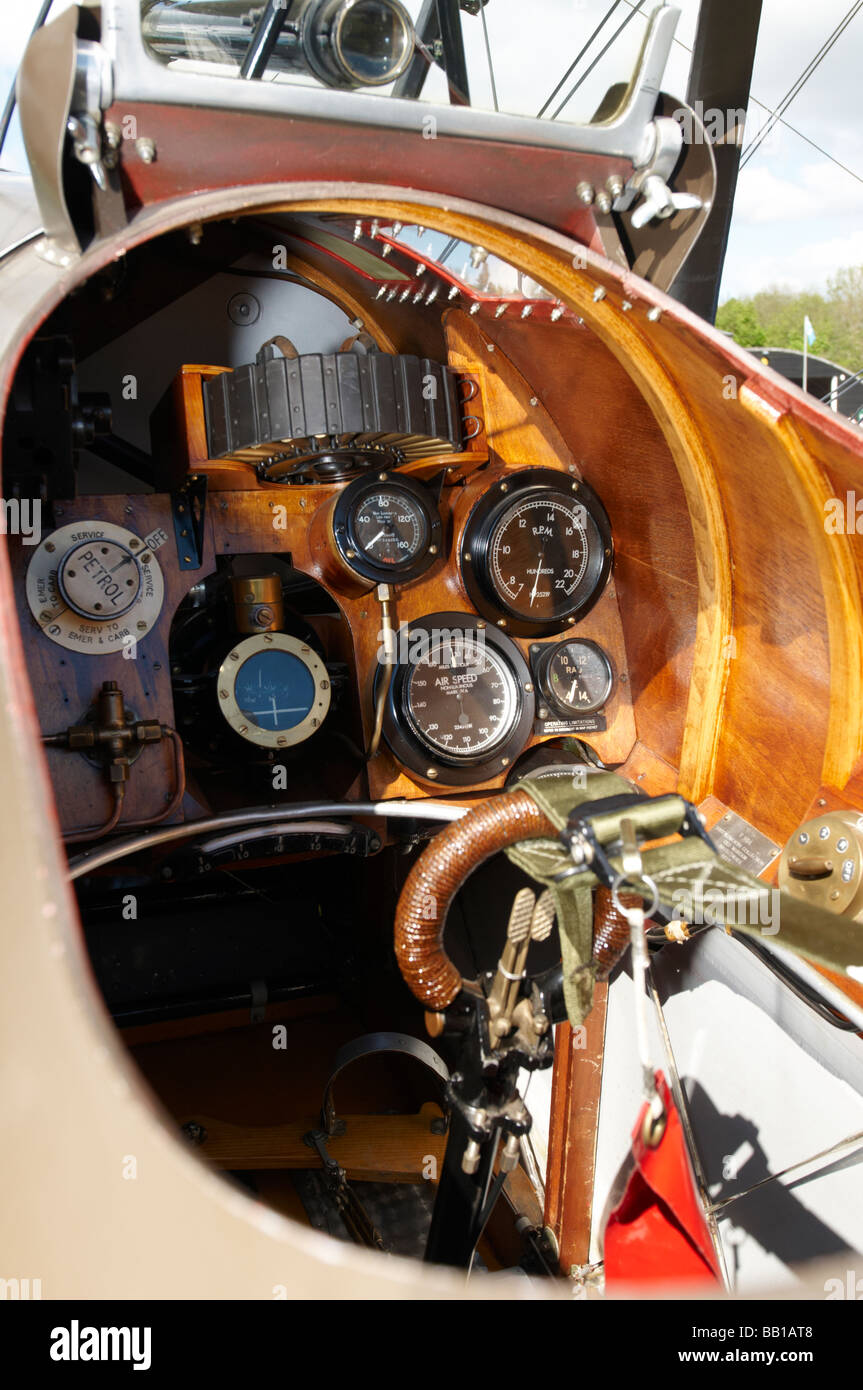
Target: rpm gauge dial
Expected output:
[387,529]
[539,553]
[537,549]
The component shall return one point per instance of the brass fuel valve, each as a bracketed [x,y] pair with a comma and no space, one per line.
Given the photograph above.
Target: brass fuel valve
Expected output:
[109,734]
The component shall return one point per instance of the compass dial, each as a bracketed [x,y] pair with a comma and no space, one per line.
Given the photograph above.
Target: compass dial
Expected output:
[273,690]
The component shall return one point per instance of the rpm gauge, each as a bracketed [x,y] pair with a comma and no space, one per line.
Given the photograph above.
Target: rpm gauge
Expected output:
[387,529]
[460,704]
[537,549]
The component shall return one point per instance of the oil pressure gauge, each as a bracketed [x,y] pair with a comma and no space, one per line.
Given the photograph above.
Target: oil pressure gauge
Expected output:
[387,529]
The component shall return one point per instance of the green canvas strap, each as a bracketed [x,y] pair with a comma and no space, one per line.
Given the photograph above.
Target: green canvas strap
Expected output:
[542,860]
[692,884]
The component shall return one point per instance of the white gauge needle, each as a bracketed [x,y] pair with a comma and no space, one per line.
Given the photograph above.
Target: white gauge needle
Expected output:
[382,532]
[572,691]
[538,572]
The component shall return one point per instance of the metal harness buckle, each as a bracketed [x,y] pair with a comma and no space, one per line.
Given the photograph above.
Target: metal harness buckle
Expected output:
[620,825]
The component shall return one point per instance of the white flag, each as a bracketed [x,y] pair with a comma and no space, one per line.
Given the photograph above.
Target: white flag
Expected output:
[808,331]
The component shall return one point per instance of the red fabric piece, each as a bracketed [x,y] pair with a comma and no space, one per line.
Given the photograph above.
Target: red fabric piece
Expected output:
[658,1232]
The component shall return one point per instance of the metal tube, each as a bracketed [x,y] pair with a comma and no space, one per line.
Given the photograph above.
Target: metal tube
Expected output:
[398,810]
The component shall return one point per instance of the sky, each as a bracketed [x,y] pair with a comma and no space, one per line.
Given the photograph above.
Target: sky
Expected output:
[798,217]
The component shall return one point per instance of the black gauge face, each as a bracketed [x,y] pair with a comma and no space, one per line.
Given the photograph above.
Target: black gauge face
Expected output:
[577,677]
[387,529]
[390,527]
[460,704]
[462,698]
[536,552]
[539,554]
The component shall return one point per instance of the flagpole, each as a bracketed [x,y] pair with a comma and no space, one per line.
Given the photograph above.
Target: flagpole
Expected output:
[805,357]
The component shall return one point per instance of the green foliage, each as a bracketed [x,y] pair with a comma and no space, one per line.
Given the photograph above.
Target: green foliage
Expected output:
[738,317]
[774,318]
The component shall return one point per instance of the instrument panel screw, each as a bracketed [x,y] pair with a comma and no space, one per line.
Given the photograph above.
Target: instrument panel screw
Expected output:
[626,306]
[603,202]
[599,294]
[146,149]
[584,192]
[431,772]
[466,559]
[432,550]
[614,184]
[654,314]
[623,678]
[528,687]
[504,762]
[142,626]
[49,546]
[501,622]
[534,401]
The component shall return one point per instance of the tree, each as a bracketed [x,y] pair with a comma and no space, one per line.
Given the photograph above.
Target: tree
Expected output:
[738,317]
[774,318]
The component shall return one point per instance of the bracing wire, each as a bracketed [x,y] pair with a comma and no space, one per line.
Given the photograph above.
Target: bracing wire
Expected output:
[788,126]
[575,62]
[600,55]
[798,86]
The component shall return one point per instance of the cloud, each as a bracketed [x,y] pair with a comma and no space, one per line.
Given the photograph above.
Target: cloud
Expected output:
[816,190]
[802,267]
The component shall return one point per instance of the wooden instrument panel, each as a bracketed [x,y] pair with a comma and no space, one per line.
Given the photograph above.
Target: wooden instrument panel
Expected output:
[245,517]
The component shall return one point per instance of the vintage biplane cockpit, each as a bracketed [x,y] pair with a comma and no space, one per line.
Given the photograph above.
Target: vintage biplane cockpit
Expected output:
[416,608]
